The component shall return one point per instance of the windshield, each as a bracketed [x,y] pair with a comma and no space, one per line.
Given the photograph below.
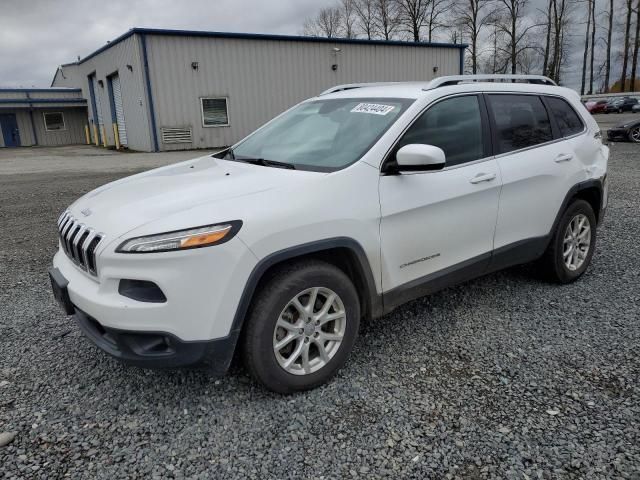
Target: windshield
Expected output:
[321,135]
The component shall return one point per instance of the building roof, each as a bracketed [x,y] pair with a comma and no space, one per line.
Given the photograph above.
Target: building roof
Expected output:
[40,90]
[261,36]
[41,97]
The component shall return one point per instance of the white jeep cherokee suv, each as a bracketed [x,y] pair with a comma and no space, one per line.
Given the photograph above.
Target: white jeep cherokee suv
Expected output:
[342,208]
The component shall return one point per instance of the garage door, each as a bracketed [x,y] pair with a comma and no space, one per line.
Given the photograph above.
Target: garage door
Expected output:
[117,100]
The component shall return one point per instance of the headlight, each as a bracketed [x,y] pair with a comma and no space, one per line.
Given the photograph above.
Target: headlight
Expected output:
[182,239]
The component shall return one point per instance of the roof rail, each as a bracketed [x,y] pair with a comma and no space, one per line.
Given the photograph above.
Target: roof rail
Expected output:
[456,79]
[350,86]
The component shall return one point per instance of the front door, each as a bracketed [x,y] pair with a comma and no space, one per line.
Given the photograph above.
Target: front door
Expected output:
[10,132]
[442,222]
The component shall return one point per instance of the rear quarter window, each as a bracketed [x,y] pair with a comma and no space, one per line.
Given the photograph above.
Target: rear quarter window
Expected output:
[566,118]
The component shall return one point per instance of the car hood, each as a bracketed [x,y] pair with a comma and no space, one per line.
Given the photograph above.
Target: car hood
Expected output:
[131,202]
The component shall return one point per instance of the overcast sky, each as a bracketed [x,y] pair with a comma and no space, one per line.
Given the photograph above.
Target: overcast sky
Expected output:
[38,35]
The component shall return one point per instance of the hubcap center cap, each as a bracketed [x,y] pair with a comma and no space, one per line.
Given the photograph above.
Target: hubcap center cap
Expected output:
[309,329]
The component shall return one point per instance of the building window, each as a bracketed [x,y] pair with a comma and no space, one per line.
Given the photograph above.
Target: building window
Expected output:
[214,112]
[54,121]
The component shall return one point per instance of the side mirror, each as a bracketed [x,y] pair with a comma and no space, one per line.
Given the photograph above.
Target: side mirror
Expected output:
[419,158]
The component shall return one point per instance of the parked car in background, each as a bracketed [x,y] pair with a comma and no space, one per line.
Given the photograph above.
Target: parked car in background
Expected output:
[636,108]
[629,130]
[596,106]
[620,105]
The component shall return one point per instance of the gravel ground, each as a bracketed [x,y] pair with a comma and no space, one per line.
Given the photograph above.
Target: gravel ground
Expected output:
[503,377]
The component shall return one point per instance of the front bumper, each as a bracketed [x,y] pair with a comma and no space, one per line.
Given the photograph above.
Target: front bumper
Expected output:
[202,288]
[194,322]
[158,349]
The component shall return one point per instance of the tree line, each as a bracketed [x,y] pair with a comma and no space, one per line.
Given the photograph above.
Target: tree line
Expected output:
[506,36]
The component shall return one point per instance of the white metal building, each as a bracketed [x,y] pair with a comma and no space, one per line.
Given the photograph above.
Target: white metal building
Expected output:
[175,89]
[42,116]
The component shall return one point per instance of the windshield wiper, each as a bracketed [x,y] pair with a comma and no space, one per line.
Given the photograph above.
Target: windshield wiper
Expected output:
[266,163]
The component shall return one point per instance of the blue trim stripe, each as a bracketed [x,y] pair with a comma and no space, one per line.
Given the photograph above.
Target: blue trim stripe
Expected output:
[41,90]
[33,124]
[147,78]
[262,36]
[92,97]
[81,101]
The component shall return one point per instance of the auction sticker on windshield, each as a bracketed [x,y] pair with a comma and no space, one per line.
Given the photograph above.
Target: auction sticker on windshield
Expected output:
[373,108]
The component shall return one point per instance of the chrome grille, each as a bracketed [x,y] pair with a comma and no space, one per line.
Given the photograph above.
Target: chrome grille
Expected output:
[79,242]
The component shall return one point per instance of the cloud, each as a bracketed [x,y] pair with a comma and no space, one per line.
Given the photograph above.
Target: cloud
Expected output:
[38,35]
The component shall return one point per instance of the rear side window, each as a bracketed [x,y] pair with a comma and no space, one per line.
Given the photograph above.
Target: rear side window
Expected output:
[566,117]
[454,125]
[521,121]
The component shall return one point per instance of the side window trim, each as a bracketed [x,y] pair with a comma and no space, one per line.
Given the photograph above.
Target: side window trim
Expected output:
[486,132]
[493,130]
[555,128]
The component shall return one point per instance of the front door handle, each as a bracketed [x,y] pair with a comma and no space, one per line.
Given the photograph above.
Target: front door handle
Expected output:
[483,177]
[563,157]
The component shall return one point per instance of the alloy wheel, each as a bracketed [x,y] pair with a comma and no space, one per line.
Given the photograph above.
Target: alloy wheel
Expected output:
[577,241]
[635,134]
[309,331]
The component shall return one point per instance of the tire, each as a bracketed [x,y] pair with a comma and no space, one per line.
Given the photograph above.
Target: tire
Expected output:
[273,307]
[634,134]
[554,262]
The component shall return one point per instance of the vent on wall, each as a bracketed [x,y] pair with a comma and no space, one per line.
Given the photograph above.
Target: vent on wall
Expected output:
[176,134]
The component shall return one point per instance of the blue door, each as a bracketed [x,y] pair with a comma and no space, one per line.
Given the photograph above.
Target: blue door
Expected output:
[10,131]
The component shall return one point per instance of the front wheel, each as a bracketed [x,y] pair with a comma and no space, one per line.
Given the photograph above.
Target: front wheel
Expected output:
[301,327]
[573,243]
[634,134]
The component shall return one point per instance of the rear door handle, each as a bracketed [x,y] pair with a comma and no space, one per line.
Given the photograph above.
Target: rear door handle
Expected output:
[483,177]
[563,157]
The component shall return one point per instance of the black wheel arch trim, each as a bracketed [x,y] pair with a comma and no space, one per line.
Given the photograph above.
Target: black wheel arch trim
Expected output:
[573,191]
[371,297]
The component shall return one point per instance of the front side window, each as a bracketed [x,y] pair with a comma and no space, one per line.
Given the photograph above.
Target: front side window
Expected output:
[53,121]
[454,125]
[323,135]
[214,112]
[521,121]
[567,119]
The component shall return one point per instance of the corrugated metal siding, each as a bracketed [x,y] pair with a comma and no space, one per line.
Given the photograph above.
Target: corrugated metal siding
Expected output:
[134,101]
[74,120]
[262,78]
[24,125]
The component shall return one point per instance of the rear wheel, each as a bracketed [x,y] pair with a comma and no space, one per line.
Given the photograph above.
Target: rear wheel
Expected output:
[301,327]
[571,248]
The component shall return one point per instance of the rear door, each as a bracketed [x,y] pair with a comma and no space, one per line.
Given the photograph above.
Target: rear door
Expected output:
[433,223]
[537,165]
